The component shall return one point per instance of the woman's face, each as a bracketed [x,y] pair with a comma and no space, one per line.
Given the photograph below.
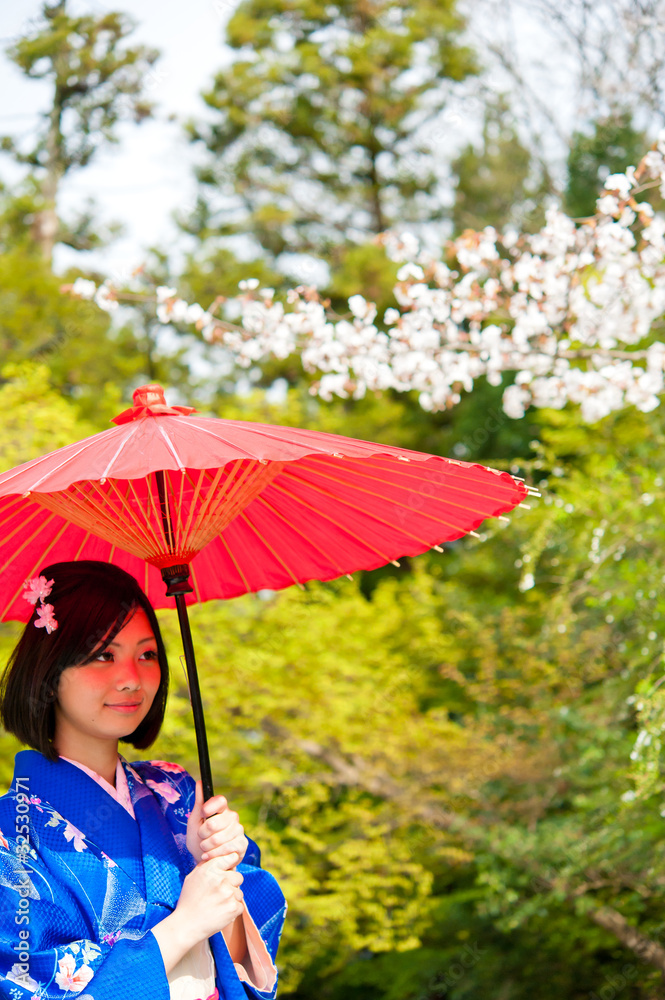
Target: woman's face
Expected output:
[110,696]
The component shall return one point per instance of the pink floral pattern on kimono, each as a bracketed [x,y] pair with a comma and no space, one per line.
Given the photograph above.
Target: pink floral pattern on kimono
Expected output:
[71,833]
[166,765]
[71,978]
[163,788]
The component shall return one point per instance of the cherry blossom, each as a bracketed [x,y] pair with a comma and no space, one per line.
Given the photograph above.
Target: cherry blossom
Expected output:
[564,315]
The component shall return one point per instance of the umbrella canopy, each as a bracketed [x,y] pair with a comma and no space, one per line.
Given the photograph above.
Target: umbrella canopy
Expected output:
[246,506]
[232,506]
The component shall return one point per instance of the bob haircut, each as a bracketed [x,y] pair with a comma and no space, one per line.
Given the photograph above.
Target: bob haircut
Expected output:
[92,601]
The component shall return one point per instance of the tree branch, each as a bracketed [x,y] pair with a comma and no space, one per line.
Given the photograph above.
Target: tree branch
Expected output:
[351,772]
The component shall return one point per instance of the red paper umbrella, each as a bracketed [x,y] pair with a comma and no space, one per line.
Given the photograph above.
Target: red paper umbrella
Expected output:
[233,506]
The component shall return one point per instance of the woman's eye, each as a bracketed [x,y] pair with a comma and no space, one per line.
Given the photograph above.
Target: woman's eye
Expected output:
[105,657]
[150,654]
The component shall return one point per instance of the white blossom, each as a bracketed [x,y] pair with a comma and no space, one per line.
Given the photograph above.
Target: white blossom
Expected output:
[84,288]
[105,298]
[568,308]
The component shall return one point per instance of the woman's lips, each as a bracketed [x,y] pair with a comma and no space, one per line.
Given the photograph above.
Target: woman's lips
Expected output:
[126,709]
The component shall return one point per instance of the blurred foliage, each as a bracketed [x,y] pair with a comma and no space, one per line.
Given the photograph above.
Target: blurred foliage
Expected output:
[87,360]
[498,184]
[611,144]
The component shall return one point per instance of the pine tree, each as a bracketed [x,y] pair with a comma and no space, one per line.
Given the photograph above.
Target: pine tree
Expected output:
[318,138]
[98,82]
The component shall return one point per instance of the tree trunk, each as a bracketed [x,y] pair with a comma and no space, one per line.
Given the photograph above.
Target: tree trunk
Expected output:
[46,224]
[377,208]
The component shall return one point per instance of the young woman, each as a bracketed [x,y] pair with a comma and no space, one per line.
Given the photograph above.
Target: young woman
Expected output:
[116,880]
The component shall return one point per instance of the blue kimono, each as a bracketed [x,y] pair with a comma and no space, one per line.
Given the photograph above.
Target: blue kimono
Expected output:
[82,883]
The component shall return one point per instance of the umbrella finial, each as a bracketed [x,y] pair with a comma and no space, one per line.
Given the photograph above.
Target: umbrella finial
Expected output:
[149,395]
[149,401]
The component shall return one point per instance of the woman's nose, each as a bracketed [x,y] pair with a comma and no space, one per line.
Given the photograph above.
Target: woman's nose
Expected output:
[128,673]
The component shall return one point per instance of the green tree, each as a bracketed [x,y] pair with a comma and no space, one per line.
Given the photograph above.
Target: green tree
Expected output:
[463,741]
[92,360]
[612,144]
[498,183]
[318,135]
[97,82]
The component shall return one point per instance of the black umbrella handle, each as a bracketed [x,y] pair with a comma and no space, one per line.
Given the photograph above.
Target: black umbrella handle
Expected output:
[177,580]
[195,698]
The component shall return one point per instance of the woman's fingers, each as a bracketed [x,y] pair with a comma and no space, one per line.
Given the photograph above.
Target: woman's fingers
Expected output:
[227,859]
[226,820]
[215,804]
[215,847]
[216,871]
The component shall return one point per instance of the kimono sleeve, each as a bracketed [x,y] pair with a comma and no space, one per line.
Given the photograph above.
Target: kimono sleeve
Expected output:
[264,900]
[46,955]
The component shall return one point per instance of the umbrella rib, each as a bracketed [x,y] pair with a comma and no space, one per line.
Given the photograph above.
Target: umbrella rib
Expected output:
[180,531]
[266,503]
[235,563]
[6,538]
[211,500]
[332,520]
[232,486]
[195,581]
[80,548]
[150,482]
[242,485]
[243,516]
[85,501]
[218,437]
[33,570]
[195,496]
[17,502]
[396,503]
[129,531]
[148,521]
[125,440]
[406,473]
[26,541]
[171,446]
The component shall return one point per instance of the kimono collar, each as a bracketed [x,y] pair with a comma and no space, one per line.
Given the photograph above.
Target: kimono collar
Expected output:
[86,805]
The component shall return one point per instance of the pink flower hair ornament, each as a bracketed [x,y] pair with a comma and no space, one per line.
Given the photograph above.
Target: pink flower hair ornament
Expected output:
[37,588]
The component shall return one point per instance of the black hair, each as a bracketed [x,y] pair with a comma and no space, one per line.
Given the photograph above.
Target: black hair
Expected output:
[92,602]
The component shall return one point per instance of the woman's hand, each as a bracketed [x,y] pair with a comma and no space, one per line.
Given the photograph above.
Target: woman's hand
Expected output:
[214,830]
[211,897]
[210,900]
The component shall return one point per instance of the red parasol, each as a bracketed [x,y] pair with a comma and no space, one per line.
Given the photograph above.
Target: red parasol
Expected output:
[234,506]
